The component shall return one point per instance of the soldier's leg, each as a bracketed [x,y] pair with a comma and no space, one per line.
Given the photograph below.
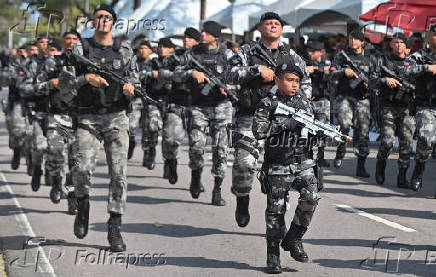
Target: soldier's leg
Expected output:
[387,135]
[27,146]
[345,120]
[86,148]
[55,159]
[306,184]
[71,197]
[17,133]
[426,132]
[154,122]
[405,138]
[172,136]
[197,144]
[362,123]
[39,146]
[134,118]
[278,187]
[218,127]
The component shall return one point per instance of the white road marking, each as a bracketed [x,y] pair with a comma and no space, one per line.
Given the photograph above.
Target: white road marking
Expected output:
[376,218]
[44,265]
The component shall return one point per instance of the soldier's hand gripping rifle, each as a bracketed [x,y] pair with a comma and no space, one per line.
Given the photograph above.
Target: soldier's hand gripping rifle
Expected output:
[362,78]
[95,68]
[310,124]
[213,81]
[263,55]
[406,88]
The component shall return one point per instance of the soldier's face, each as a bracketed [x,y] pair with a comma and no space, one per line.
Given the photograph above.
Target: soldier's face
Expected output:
[22,52]
[144,52]
[53,51]
[42,45]
[207,38]
[355,43]
[69,40]
[32,50]
[270,29]
[314,55]
[189,42]
[164,51]
[103,21]
[288,83]
[398,46]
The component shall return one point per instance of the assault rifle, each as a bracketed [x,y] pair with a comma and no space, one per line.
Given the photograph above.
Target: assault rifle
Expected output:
[406,87]
[362,78]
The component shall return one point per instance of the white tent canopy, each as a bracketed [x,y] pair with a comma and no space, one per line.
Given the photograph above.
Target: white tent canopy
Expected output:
[235,16]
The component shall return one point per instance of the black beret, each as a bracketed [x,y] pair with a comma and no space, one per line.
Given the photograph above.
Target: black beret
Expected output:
[288,66]
[193,33]
[71,32]
[315,45]
[43,36]
[357,34]
[400,36]
[166,42]
[213,28]
[108,8]
[432,27]
[146,43]
[272,15]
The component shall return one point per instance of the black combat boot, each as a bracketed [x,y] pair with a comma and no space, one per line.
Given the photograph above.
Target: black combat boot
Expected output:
[380,171]
[172,177]
[217,200]
[82,217]
[56,190]
[360,169]
[320,159]
[29,164]
[340,154]
[273,257]
[166,172]
[36,177]
[242,214]
[402,181]
[132,144]
[418,172]
[149,158]
[113,233]
[195,183]
[15,162]
[293,243]
[72,203]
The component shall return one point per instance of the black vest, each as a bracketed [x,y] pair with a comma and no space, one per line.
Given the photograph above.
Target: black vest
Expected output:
[110,58]
[426,83]
[388,95]
[319,83]
[363,62]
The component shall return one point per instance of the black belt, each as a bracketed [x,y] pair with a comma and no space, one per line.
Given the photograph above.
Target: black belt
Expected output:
[100,110]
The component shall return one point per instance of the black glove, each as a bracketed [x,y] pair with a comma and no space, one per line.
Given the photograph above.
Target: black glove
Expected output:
[290,124]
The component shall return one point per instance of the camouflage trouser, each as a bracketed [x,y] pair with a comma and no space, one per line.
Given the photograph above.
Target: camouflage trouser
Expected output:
[426,132]
[135,116]
[60,138]
[396,120]
[245,164]
[321,109]
[173,131]
[278,186]
[39,140]
[17,125]
[355,113]
[112,129]
[215,119]
[152,125]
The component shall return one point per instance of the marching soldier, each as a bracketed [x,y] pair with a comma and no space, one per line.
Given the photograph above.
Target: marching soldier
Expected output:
[421,67]
[101,119]
[252,71]
[395,96]
[353,99]
[286,165]
[319,69]
[211,110]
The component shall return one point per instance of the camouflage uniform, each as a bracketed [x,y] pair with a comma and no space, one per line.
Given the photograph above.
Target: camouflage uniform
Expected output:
[211,112]
[246,73]
[97,121]
[396,119]
[286,165]
[353,108]
[417,70]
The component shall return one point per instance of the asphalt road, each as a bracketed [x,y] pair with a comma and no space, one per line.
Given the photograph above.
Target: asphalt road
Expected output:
[359,229]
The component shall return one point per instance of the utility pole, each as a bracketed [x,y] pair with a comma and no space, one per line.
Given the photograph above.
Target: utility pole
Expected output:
[202,9]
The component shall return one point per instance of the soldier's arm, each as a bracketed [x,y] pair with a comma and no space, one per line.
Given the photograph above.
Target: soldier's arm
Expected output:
[131,69]
[337,70]
[414,66]
[240,71]
[263,126]
[43,83]
[27,84]
[183,72]
[69,82]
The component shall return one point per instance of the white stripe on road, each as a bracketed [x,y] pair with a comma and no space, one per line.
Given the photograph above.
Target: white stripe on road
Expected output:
[376,218]
[21,218]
